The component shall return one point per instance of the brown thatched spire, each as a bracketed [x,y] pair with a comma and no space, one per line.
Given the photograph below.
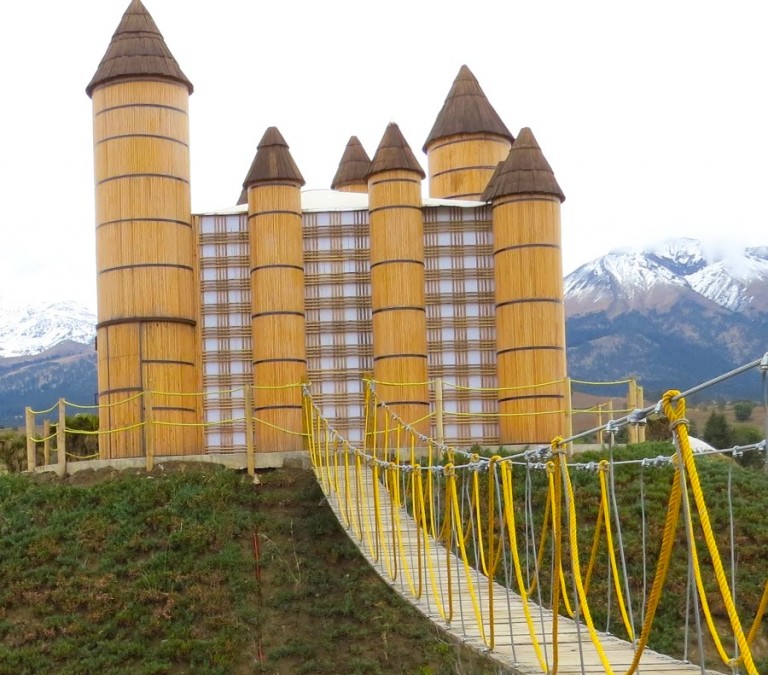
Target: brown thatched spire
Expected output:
[525,171]
[273,161]
[467,111]
[137,49]
[394,154]
[354,165]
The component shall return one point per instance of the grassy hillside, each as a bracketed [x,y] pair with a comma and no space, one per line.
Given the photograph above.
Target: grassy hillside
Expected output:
[129,572]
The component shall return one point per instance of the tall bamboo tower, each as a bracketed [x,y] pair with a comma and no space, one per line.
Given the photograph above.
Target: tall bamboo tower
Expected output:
[273,186]
[351,176]
[397,279]
[467,141]
[530,317]
[145,248]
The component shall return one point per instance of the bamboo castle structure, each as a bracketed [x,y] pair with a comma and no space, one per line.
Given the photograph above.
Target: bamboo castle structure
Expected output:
[324,286]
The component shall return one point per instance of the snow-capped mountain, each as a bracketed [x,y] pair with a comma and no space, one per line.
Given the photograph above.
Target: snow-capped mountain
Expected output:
[673,315]
[657,279]
[35,328]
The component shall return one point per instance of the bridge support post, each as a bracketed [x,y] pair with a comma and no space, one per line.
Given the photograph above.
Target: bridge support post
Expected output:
[29,419]
[61,440]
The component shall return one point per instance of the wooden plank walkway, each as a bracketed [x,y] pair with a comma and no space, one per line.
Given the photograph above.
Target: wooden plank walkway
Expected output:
[513,648]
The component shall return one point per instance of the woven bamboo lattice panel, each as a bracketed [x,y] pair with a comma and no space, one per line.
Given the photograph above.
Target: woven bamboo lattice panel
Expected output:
[226,329]
[338,310]
[460,321]
[530,319]
[147,275]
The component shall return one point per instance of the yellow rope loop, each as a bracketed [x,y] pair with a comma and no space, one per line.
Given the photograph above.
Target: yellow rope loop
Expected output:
[511,529]
[675,412]
[556,445]
[576,566]
[606,512]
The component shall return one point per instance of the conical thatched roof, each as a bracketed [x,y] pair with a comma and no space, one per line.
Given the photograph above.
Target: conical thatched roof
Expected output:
[394,154]
[525,171]
[354,165]
[273,161]
[467,110]
[137,49]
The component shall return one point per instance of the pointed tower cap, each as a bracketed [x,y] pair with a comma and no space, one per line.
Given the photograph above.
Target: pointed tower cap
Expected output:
[137,49]
[467,111]
[394,154]
[354,165]
[273,161]
[525,171]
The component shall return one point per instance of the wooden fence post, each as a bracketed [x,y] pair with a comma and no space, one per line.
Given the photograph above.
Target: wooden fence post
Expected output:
[61,439]
[640,400]
[631,405]
[439,428]
[600,438]
[29,419]
[149,432]
[569,414]
[46,442]
[249,452]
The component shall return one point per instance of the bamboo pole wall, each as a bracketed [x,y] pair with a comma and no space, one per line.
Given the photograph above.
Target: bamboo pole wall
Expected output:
[461,332]
[147,275]
[460,166]
[397,294]
[530,318]
[278,319]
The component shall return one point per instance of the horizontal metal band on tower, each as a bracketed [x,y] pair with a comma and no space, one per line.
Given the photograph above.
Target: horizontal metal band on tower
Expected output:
[509,350]
[393,207]
[272,266]
[277,312]
[520,301]
[164,176]
[287,406]
[173,362]
[169,221]
[518,247]
[146,319]
[459,169]
[397,260]
[274,212]
[383,357]
[279,360]
[161,106]
[381,181]
[406,308]
[158,137]
[119,268]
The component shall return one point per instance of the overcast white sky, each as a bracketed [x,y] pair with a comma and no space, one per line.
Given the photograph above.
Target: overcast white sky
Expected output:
[653,115]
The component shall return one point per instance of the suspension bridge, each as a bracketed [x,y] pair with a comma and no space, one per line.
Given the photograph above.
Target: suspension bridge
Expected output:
[524,554]
[450,531]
